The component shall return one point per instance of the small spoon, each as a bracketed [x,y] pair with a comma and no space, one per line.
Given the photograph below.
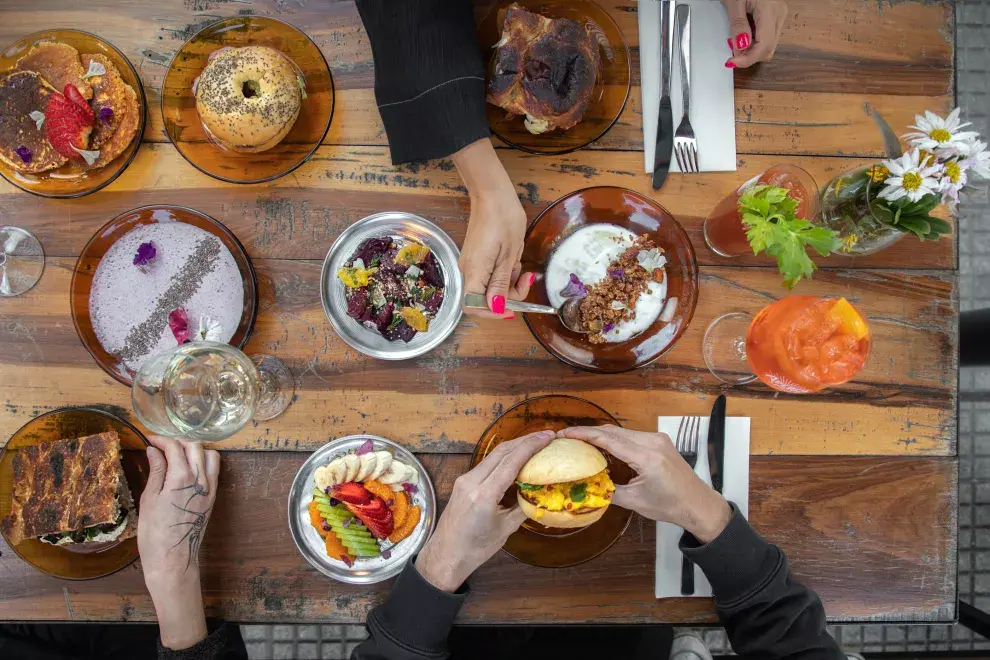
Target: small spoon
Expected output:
[569,313]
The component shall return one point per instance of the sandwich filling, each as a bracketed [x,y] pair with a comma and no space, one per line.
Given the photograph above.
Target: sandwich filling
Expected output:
[94,534]
[593,492]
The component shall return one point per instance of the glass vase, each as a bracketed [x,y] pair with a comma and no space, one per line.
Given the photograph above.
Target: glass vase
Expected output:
[845,208]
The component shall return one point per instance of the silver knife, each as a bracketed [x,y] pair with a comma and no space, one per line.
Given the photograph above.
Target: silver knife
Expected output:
[665,120]
[716,443]
[890,142]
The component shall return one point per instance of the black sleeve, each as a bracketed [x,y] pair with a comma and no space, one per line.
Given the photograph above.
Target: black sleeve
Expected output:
[429,78]
[224,642]
[413,623]
[765,612]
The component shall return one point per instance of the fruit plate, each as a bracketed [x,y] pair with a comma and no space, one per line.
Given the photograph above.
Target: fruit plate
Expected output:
[534,543]
[187,132]
[73,180]
[67,562]
[364,570]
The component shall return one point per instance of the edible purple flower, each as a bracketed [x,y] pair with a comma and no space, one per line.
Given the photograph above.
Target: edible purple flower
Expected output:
[106,115]
[333,501]
[347,560]
[410,488]
[347,523]
[608,328]
[366,447]
[24,153]
[617,273]
[575,288]
[145,257]
[325,526]
[178,322]
[386,554]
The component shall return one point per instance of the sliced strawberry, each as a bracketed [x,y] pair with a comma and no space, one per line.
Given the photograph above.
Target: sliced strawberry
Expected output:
[72,93]
[67,125]
[376,516]
[351,493]
[375,509]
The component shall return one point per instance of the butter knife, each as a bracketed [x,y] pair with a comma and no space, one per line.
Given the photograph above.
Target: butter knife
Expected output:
[665,120]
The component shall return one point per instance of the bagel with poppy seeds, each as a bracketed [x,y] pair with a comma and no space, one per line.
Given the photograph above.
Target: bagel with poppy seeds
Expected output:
[566,484]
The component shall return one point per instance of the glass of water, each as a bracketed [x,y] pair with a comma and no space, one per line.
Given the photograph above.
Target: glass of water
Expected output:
[21,261]
[208,391]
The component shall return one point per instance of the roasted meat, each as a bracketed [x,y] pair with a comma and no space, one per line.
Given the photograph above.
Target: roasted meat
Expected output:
[545,69]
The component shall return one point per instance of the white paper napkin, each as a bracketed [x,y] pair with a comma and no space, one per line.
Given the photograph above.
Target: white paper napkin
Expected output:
[713,112]
[735,487]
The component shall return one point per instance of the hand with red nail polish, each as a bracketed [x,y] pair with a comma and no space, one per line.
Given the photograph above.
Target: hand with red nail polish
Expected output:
[768,16]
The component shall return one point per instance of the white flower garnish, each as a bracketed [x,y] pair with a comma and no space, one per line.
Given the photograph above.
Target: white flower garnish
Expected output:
[978,160]
[617,305]
[650,260]
[954,178]
[910,179]
[536,126]
[95,69]
[358,263]
[38,117]
[414,271]
[90,156]
[209,330]
[941,136]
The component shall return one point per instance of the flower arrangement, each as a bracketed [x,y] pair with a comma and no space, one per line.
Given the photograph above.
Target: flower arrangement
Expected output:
[872,206]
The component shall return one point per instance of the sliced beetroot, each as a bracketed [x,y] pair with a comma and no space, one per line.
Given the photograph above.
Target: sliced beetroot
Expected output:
[432,304]
[400,330]
[383,318]
[371,248]
[431,271]
[359,304]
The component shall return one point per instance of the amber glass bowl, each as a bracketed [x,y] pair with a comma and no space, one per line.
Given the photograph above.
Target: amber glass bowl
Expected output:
[73,180]
[186,131]
[110,233]
[641,215]
[62,424]
[611,88]
[534,543]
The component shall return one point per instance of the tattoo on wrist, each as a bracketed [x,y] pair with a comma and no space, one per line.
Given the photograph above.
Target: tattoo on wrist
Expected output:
[194,532]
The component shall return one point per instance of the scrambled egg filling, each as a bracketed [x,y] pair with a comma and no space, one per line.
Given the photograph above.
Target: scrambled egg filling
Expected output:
[591,493]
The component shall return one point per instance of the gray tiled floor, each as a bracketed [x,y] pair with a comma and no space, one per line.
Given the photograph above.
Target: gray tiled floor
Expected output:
[973,88]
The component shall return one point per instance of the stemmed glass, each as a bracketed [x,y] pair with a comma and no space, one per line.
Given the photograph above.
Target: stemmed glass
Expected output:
[208,391]
[22,261]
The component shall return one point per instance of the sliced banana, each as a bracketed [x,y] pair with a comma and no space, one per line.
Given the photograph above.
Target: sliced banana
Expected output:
[395,474]
[413,476]
[384,460]
[368,464]
[322,478]
[336,470]
[353,464]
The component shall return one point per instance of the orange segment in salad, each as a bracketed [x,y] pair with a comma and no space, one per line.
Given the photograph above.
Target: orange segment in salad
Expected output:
[848,319]
[415,318]
[401,532]
[410,254]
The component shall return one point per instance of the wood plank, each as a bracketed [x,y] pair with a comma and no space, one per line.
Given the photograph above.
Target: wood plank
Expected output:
[903,403]
[875,537]
[878,45]
[300,215]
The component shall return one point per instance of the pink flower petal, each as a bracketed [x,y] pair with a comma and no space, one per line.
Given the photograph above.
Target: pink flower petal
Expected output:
[366,446]
[178,322]
[410,488]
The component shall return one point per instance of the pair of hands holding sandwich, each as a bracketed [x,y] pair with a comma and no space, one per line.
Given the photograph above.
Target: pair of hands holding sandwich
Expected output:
[474,526]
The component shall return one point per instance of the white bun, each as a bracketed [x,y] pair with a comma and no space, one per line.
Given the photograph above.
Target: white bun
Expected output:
[564,459]
[566,519]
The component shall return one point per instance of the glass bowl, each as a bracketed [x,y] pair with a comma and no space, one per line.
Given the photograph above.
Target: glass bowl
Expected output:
[186,131]
[611,89]
[71,180]
[641,215]
[110,233]
[61,424]
[534,543]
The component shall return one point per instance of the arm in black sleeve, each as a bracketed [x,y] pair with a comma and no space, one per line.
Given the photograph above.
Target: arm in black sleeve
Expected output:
[429,77]
[765,612]
[413,623]
[224,642]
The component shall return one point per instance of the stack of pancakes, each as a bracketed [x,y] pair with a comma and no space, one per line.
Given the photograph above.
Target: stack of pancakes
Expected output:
[46,69]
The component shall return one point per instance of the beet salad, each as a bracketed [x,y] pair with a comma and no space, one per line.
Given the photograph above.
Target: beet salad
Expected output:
[394,287]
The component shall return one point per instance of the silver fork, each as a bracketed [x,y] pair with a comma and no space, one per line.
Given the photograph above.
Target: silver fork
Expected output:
[688,434]
[685,144]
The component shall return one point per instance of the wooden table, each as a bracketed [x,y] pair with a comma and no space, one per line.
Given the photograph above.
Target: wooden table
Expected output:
[858,484]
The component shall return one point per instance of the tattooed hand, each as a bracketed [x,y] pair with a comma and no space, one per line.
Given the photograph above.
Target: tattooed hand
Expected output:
[174,510]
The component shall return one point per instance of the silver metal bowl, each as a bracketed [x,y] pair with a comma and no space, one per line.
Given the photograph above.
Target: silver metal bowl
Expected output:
[311,544]
[398,225]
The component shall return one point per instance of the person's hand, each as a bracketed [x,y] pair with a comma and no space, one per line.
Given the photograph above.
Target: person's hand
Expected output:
[769,17]
[473,526]
[174,510]
[665,487]
[496,230]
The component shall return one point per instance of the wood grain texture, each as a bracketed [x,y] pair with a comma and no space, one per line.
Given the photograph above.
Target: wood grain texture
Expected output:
[895,516]
[300,215]
[903,403]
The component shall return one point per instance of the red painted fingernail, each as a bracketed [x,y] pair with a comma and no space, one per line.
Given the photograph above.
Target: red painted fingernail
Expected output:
[729,41]
[729,64]
[532,278]
[498,304]
[742,41]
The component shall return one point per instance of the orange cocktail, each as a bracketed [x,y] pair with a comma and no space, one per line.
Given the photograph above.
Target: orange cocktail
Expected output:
[802,344]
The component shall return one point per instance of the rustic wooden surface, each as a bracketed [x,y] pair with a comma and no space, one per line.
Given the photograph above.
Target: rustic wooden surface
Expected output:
[866,514]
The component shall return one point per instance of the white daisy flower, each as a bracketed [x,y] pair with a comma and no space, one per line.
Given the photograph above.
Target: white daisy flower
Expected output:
[910,179]
[940,136]
[978,159]
[954,179]
[209,330]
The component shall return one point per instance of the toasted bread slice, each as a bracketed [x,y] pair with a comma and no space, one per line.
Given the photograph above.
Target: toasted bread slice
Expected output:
[22,93]
[57,63]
